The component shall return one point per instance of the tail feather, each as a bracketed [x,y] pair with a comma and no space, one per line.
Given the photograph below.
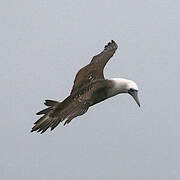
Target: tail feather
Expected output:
[44,111]
[46,122]
[55,124]
[50,102]
[39,123]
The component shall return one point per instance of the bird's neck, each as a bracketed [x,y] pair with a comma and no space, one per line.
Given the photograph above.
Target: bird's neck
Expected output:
[107,89]
[115,87]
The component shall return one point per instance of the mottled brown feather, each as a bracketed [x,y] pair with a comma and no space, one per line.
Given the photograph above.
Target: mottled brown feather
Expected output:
[94,70]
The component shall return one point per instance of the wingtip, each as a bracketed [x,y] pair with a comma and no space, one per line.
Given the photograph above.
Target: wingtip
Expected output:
[111,45]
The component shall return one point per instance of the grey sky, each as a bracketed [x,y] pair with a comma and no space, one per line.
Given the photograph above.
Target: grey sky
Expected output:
[42,46]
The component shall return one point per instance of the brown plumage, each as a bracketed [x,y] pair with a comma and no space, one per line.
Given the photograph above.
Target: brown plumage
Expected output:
[89,88]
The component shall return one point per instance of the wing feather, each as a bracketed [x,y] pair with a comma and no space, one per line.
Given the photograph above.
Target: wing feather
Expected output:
[94,70]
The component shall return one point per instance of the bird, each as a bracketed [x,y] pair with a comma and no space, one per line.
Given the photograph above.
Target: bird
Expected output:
[90,87]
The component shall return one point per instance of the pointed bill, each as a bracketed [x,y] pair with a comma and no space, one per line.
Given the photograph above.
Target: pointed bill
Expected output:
[134,94]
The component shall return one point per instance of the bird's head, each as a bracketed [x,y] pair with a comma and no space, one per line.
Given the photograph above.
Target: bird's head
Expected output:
[120,85]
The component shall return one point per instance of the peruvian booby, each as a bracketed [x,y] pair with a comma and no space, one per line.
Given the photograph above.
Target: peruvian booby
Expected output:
[90,87]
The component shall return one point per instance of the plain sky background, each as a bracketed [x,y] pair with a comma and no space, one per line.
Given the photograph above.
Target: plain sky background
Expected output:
[42,46]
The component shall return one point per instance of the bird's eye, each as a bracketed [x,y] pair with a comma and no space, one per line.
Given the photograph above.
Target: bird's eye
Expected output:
[131,90]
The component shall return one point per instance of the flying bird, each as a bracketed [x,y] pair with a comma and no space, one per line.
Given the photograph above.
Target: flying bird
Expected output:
[90,87]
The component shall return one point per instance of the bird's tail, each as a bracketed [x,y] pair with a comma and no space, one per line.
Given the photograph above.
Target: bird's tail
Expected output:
[44,121]
[58,112]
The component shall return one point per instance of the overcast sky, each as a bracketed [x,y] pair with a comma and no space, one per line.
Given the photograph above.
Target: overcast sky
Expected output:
[42,46]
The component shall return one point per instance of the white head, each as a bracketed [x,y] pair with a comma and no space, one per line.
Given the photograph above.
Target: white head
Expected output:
[120,85]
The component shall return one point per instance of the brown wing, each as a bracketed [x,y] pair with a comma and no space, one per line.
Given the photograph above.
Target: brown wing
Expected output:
[94,70]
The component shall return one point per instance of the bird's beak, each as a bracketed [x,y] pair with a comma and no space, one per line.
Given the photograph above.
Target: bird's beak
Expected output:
[134,94]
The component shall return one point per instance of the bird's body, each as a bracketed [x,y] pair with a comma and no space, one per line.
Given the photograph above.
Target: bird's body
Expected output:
[90,87]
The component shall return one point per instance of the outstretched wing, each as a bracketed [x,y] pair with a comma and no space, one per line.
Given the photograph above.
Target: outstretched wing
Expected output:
[94,70]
